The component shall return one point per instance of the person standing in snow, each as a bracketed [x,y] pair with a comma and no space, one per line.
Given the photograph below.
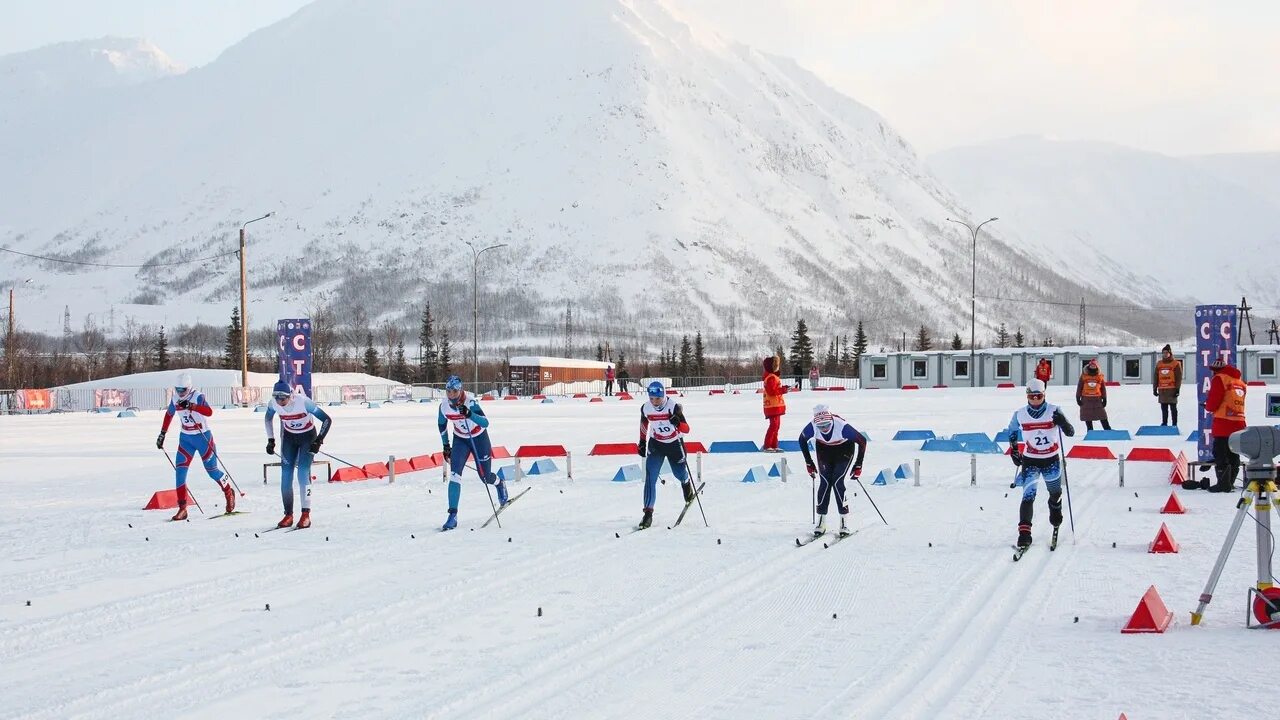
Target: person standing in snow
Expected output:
[775,405]
[1166,385]
[1044,371]
[838,445]
[193,411]
[299,441]
[608,380]
[467,418]
[814,376]
[1091,396]
[623,377]
[1037,426]
[662,430]
[1225,402]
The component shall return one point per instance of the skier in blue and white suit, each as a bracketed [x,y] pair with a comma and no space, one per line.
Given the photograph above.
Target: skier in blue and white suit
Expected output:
[1038,425]
[662,430]
[470,425]
[298,443]
[839,444]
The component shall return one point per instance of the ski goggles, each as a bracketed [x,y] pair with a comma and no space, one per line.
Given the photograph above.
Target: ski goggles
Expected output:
[281,396]
[824,422]
[181,390]
[1035,396]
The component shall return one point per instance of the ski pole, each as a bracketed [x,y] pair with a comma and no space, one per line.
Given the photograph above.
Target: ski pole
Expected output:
[698,496]
[234,484]
[175,470]
[873,502]
[813,499]
[487,490]
[344,462]
[1062,452]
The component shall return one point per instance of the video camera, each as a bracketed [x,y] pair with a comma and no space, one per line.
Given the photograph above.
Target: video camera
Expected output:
[1260,445]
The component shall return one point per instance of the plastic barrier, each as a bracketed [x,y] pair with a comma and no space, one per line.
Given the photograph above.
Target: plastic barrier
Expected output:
[537,451]
[423,462]
[615,449]
[259,408]
[542,467]
[971,437]
[579,396]
[1091,452]
[162,500]
[126,414]
[403,466]
[375,469]
[373,405]
[884,477]
[507,473]
[734,446]
[1173,506]
[624,396]
[903,472]
[1144,454]
[715,392]
[1005,386]
[914,435]
[1164,542]
[910,387]
[627,473]
[1158,430]
[1194,436]
[1151,615]
[510,397]
[942,445]
[546,400]
[694,447]
[596,399]
[348,474]
[500,452]
[1106,435]
[755,474]
[1002,436]
[980,447]
[789,445]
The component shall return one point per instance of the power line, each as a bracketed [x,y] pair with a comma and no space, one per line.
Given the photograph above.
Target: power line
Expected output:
[1060,303]
[115,265]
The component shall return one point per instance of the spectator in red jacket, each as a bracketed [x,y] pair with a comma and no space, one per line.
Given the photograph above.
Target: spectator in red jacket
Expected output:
[775,405]
[1044,371]
[1226,402]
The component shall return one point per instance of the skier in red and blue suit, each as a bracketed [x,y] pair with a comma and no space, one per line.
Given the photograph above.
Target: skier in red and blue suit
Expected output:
[470,428]
[196,440]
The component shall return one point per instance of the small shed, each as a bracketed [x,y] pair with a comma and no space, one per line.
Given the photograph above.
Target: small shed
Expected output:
[532,375]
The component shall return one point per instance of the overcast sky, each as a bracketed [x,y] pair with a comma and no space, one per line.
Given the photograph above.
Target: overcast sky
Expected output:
[1173,76]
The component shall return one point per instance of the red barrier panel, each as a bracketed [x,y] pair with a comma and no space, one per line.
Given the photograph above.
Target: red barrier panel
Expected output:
[1256,383]
[597,399]
[715,392]
[624,396]
[614,449]
[939,387]
[1113,383]
[1151,615]
[1091,452]
[836,388]
[375,470]
[1141,454]
[694,447]
[1005,386]
[163,500]
[539,397]
[423,462]
[1178,470]
[580,396]
[910,387]
[510,397]
[500,452]
[1164,542]
[540,451]
[1021,446]
[347,474]
[403,466]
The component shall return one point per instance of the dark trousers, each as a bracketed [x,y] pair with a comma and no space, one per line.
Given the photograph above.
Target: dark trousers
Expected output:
[1166,411]
[608,387]
[1226,464]
[1088,425]
[831,473]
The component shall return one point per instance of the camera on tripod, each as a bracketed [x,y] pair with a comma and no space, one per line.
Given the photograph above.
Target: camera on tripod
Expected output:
[1260,445]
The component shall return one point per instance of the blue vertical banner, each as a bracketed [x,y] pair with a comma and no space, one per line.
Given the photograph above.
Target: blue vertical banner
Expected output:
[1216,332]
[294,337]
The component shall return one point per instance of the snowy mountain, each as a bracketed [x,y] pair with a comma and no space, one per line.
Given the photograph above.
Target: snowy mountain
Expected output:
[1259,173]
[77,68]
[1140,224]
[659,178]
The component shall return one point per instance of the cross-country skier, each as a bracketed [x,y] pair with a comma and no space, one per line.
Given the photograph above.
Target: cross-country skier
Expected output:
[469,424]
[196,439]
[1036,425]
[838,444]
[299,441]
[662,430]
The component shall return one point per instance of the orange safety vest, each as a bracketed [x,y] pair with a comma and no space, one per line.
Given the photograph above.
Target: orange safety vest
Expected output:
[1092,386]
[1166,374]
[1232,406]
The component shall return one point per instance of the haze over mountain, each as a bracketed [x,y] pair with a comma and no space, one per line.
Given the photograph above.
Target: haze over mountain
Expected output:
[657,177]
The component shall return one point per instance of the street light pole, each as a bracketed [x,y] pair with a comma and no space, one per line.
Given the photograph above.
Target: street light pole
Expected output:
[973,299]
[244,311]
[475,310]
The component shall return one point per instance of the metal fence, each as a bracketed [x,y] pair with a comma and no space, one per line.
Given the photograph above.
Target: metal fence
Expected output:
[105,400]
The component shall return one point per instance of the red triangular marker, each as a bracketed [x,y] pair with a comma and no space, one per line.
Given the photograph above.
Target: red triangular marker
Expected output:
[1164,542]
[1151,615]
[1173,506]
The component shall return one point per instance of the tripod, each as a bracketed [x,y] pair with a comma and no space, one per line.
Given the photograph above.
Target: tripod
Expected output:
[1263,602]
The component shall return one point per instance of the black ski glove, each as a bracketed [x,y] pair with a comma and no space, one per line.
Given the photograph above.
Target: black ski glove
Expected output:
[160,440]
[1061,421]
[813,471]
[1155,392]
[184,404]
[677,416]
[640,448]
[315,445]
[857,471]
[464,410]
[447,450]
[271,446]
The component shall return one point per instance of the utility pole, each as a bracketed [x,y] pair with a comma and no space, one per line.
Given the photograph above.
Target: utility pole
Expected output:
[1273,334]
[973,298]
[244,311]
[1246,319]
[1083,335]
[475,310]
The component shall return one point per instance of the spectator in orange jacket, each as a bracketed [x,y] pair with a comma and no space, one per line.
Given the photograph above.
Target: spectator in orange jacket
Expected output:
[1166,385]
[1044,371]
[1226,402]
[775,405]
[1091,396]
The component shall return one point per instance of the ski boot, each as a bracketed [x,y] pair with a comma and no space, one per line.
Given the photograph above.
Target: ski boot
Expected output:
[181,514]
[229,496]
[1024,536]
[821,528]
[451,522]
[286,521]
[502,493]
[183,499]
[1055,515]
[305,520]
[844,527]
[647,520]
[687,487]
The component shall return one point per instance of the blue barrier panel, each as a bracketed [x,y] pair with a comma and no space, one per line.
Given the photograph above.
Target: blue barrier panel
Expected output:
[981,447]
[541,467]
[775,471]
[547,400]
[126,413]
[733,446]
[1002,436]
[1106,435]
[942,445]
[335,403]
[507,473]
[903,472]
[374,405]
[971,437]
[914,435]
[789,445]
[755,474]
[104,410]
[884,477]
[1158,430]
[259,408]
[627,473]
[1194,436]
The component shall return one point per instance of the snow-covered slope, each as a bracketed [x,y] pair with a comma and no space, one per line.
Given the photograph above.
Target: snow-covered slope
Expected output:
[1137,223]
[614,149]
[76,68]
[1259,173]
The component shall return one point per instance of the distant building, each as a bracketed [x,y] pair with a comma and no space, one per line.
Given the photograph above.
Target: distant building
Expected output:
[529,375]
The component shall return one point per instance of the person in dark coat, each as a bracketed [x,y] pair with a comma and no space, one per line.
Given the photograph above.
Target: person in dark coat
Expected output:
[1091,396]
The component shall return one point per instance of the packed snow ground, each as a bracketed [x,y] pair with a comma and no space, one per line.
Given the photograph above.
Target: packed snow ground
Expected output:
[374,613]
